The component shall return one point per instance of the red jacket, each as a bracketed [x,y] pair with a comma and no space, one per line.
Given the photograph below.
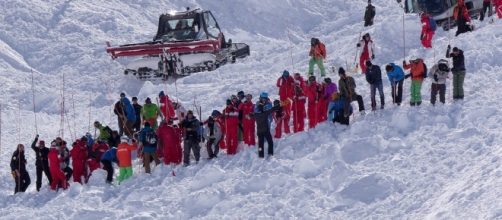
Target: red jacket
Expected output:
[312,92]
[318,51]
[54,160]
[166,107]
[79,152]
[465,11]
[124,151]
[426,24]
[286,87]
[246,108]
[99,149]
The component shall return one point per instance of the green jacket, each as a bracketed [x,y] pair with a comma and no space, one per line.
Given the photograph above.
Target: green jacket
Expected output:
[150,111]
[103,133]
[347,87]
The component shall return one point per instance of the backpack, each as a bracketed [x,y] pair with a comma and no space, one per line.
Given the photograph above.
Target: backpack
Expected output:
[425,70]
[151,138]
[322,47]
[432,24]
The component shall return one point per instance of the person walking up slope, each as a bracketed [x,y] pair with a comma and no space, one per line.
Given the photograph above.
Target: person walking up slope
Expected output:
[367,53]
[369,14]
[428,29]
[318,55]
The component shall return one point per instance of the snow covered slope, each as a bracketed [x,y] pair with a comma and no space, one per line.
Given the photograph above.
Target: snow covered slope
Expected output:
[429,162]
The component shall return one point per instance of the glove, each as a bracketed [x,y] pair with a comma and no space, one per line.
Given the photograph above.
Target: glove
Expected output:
[449,47]
[358,45]
[36,137]
[404,62]
[436,78]
[372,56]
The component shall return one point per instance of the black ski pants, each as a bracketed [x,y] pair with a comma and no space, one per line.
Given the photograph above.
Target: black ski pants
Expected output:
[262,136]
[107,165]
[22,182]
[397,92]
[45,169]
[435,89]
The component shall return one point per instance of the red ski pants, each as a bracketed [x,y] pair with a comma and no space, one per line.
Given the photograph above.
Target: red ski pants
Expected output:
[79,170]
[58,179]
[312,114]
[362,61]
[249,133]
[427,39]
[232,135]
[298,116]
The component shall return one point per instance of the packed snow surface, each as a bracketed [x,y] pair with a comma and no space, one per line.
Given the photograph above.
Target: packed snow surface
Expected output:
[440,162]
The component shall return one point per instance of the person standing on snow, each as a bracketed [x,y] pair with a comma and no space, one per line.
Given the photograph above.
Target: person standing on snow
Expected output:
[439,72]
[120,112]
[330,89]
[427,30]
[487,6]
[369,14]
[262,115]
[299,113]
[166,106]
[18,169]
[418,74]
[148,141]
[396,78]
[318,55]
[286,85]
[130,116]
[458,71]
[137,110]
[347,90]
[79,161]
[124,151]
[150,112]
[313,96]
[191,129]
[58,177]
[64,154]
[108,158]
[42,164]
[462,17]
[374,78]
[170,142]
[231,114]
[248,125]
[367,52]
[213,135]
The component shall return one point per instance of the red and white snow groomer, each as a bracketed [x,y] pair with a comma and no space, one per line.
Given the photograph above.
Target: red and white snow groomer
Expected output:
[186,42]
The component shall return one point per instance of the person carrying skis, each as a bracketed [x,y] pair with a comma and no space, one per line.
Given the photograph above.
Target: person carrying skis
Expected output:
[108,158]
[299,113]
[396,78]
[337,109]
[347,90]
[462,17]
[313,96]
[213,135]
[248,125]
[262,115]
[79,161]
[191,129]
[150,112]
[124,151]
[120,112]
[367,53]
[105,132]
[286,85]
[418,73]
[137,110]
[166,107]
[231,114]
[170,142]
[439,72]
[458,71]
[58,177]
[369,14]
[374,78]
[18,169]
[148,143]
[42,163]
[427,29]
[318,55]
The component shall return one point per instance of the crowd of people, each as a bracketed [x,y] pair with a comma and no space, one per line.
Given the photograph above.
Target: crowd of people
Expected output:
[167,132]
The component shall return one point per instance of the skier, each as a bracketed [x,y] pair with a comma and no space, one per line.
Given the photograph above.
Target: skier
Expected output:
[105,132]
[498,7]
[170,142]
[439,72]
[213,135]
[330,89]
[337,108]
[299,113]
[313,96]
[396,78]
[367,53]
[119,111]
[458,71]
[347,88]
[166,106]
[262,115]
[18,169]
[58,177]
[487,6]
[318,55]
[191,129]
[109,157]
[130,116]
[42,164]
[79,158]
[374,78]
[369,14]
[248,125]
[148,143]
[150,112]
[427,30]
[286,85]
[461,16]
[417,73]
[124,152]
[231,114]
[137,110]
[64,155]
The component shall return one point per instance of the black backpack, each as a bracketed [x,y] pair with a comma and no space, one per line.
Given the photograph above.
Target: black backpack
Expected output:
[425,70]
[151,138]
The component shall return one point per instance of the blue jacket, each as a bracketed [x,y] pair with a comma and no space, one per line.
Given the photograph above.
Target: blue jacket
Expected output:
[338,105]
[397,74]
[110,155]
[374,75]
[263,118]
[129,110]
[147,148]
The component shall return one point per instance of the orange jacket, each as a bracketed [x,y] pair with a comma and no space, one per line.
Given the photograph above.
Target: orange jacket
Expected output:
[124,154]
[465,12]
[417,70]
[318,51]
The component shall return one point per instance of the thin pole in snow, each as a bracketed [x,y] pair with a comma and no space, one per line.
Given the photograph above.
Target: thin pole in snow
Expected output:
[74,117]
[404,36]
[89,123]
[0,129]
[33,93]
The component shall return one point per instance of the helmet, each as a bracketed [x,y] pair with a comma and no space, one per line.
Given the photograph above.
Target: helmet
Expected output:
[124,139]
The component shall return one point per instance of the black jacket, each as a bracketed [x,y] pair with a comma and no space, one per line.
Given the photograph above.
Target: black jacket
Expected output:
[137,110]
[458,60]
[194,126]
[40,154]
[374,75]
[369,14]
[118,109]
[262,116]
[18,162]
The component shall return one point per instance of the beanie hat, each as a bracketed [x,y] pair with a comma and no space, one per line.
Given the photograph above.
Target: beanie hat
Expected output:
[264,95]
[148,100]
[455,49]
[368,63]
[285,73]
[161,93]
[122,95]
[327,80]
[389,68]
[215,113]
[134,98]
[240,94]
[41,142]
[311,78]
[341,71]
[229,102]
[189,112]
